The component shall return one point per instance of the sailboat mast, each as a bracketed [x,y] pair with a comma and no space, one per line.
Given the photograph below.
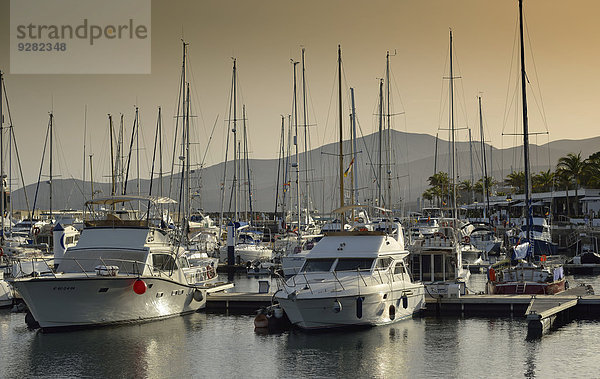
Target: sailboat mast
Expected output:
[525,124]
[380,160]
[2,194]
[305,119]
[389,131]
[91,176]
[354,150]
[297,163]
[486,191]
[341,146]
[188,199]
[279,166]
[471,160]
[51,156]
[234,130]
[453,149]
[112,156]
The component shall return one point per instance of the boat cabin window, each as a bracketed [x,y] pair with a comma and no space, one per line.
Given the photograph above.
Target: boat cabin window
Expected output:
[383,263]
[316,265]
[183,262]
[163,262]
[353,264]
[399,268]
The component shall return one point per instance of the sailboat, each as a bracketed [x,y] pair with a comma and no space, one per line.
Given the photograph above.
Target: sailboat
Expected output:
[525,277]
[247,241]
[436,259]
[352,278]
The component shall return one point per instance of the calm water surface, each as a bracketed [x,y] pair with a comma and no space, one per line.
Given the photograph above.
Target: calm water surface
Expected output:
[215,345]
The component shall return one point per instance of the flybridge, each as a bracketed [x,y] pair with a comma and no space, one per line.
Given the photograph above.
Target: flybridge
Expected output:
[85,31]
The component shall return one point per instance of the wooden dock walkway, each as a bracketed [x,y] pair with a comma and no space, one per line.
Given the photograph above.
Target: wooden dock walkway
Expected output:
[237,301]
[547,312]
[542,312]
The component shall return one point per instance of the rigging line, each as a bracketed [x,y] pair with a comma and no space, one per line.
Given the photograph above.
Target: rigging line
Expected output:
[443,98]
[209,141]
[179,104]
[510,75]
[133,133]
[62,159]
[14,138]
[37,187]
[541,103]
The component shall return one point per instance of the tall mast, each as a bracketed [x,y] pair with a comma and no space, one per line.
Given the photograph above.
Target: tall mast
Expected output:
[453,149]
[389,136]
[180,105]
[380,160]
[2,194]
[305,111]
[341,150]
[484,173]
[91,176]
[84,143]
[354,150]
[297,163]
[525,124]
[188,199]
[51,155]
[277,187]
[160,162]
[112,156]
[234,130]
[471,160]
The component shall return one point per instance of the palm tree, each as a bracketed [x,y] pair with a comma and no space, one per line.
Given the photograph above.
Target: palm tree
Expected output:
[440,185]
[572,167]
[466,186]
[516,180]
[592,170]
[543,181]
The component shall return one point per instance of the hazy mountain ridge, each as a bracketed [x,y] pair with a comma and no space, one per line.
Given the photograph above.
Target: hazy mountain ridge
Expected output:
[414,163]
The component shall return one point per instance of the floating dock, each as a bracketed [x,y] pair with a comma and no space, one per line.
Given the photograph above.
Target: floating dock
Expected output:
[542,312]
[241,302]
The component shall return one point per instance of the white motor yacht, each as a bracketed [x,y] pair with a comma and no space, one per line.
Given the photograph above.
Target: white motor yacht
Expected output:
[352,279]
[122,270]
[436,260]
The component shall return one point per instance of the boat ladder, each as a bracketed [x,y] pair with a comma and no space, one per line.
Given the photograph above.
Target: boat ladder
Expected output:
[520,288]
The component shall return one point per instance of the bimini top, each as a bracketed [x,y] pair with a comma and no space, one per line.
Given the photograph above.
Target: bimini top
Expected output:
[111,200]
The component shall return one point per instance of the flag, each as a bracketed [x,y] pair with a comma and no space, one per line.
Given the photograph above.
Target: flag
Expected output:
[349,168]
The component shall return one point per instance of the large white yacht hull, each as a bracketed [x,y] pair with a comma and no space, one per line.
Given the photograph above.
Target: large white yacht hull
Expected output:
[324,312]
[93,301]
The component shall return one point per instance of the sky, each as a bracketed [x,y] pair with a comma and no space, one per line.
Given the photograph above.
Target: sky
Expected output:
[263,35]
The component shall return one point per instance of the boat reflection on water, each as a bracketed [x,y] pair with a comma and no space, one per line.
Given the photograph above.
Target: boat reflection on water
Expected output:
[386,351]
[152,349]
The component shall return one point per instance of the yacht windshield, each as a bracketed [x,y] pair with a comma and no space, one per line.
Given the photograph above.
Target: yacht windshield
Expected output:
[314,265]
[353,264]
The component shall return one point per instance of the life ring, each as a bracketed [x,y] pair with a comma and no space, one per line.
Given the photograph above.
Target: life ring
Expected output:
[543,258]
[467,239]
[210,272]
[36,230]
[492,274]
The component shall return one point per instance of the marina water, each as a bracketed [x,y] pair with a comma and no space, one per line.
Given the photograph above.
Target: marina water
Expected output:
[215,345]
